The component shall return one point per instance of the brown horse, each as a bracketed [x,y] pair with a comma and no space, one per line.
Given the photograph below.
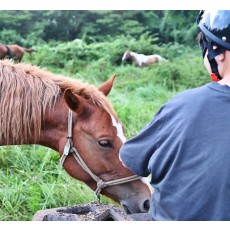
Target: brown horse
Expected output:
[14,52]
[141,60]
[75,119]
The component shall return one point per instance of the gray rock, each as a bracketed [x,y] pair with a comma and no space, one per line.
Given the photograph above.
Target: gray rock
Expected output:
[89,212]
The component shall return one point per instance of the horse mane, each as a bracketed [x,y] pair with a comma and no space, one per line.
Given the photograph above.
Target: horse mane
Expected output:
[27,91]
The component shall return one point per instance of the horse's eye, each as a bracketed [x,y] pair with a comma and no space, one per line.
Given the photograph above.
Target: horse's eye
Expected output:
[105,143]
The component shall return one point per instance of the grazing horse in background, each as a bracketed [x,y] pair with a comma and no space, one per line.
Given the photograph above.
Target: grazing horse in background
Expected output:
[141,60]
[76,120]
[14,52]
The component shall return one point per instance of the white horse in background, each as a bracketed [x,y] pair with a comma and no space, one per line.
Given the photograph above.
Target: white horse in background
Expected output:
[142,60]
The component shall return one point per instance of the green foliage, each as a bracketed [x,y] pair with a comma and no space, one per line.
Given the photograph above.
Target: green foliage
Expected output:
[183,67]
[32,179]
[17,26]
[16,20]
[80,54]
[37,27]
[178,26]
[10,37]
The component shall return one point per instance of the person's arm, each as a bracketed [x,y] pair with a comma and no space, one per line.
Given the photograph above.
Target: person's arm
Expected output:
[136,152]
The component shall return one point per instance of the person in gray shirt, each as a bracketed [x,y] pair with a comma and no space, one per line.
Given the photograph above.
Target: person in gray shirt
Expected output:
[186,147]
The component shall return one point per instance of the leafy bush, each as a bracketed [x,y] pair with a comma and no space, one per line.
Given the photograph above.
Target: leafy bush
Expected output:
[183,69]
[10,37]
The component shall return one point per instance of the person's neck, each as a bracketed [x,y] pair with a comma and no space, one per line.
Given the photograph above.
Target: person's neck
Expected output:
[225,80]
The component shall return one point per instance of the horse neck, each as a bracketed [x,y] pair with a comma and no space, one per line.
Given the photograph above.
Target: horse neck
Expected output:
[135,58]
[133,54]
[54,130]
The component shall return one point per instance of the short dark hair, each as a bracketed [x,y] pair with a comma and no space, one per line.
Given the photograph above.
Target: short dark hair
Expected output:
[201,38]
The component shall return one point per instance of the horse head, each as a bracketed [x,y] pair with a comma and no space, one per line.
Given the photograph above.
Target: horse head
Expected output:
[126,56]
[97,138]
[75,119]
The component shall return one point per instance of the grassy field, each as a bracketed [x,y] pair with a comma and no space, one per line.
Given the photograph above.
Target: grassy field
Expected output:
[31,176]
[32,179]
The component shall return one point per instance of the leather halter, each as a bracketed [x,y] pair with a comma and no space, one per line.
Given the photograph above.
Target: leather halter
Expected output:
[69,149]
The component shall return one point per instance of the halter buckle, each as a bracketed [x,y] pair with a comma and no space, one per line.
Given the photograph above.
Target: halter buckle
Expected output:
[67,147]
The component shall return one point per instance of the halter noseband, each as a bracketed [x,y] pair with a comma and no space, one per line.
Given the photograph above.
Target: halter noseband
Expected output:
[69,149]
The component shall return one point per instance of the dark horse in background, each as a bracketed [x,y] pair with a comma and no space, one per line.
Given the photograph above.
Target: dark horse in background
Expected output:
[15,52]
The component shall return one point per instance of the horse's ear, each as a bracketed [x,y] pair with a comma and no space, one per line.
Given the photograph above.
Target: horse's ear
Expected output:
[106,87]
[74,102]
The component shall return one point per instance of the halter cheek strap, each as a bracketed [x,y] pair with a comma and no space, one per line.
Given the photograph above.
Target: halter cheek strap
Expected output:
[69,143]
[69,149]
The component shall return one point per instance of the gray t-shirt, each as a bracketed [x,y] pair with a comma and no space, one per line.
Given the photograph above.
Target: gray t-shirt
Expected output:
[186,150]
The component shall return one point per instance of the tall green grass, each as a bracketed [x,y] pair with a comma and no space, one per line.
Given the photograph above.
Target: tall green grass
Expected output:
[32,179]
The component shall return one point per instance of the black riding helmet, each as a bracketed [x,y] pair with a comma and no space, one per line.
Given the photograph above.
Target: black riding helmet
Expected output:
[215,25]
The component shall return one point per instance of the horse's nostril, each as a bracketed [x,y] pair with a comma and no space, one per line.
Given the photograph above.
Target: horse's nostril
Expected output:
[146,206]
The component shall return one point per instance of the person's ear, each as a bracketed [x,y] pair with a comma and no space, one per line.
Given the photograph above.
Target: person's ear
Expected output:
[221,57]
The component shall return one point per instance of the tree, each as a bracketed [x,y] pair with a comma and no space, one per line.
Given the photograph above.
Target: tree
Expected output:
[35,27]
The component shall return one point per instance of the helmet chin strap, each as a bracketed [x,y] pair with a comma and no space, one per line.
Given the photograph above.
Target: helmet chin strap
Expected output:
[212,53]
